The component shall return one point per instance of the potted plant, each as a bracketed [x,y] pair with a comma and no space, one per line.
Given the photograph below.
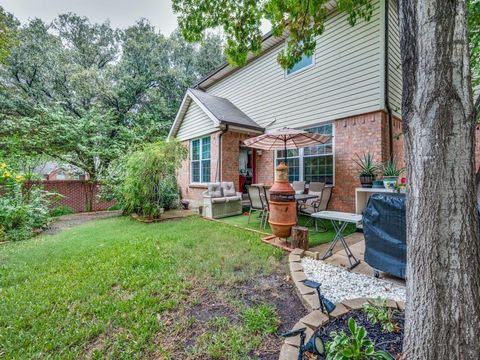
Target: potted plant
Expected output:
[368,169]
[391,173]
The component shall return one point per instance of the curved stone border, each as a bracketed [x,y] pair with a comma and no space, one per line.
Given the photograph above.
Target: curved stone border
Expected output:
[309,299]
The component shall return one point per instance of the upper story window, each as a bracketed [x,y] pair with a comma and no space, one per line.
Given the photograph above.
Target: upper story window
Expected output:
[200,160]
[304,63]
[314,163]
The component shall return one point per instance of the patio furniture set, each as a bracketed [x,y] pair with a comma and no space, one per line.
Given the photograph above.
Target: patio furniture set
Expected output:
[310,199]
[384,230]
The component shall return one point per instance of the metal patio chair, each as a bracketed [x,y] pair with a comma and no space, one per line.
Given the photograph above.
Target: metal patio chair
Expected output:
[256,203]
[316,205]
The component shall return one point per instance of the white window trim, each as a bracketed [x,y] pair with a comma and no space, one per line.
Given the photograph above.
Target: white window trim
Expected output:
[287,75]
[199,160]
[300,154]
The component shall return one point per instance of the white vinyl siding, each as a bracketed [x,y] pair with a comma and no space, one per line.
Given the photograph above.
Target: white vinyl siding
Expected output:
[344,80]
[394,63]
[195,123]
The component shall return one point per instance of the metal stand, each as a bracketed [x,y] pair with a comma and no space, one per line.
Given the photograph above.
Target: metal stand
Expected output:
[339,228]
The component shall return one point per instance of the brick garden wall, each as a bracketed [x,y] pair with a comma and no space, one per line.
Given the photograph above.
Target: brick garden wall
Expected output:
[74,194]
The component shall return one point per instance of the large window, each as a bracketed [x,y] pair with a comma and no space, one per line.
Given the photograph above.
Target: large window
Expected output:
[313,163]
[200,160]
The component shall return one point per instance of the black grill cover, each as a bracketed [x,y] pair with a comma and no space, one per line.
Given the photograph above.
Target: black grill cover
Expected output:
[384,228]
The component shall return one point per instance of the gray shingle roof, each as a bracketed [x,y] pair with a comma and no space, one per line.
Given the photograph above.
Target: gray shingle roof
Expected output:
[225,111]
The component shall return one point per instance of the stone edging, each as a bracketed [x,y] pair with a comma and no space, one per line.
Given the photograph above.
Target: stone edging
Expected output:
[309,299]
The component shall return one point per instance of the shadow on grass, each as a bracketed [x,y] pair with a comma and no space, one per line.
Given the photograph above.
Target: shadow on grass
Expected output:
[315,237]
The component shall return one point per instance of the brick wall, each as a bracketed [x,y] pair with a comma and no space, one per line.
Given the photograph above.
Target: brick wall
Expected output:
[355,135]
[193,192]
[266,167]
[74,194]
[231,156]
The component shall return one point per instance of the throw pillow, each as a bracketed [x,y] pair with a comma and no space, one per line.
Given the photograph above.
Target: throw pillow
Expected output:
[215,190]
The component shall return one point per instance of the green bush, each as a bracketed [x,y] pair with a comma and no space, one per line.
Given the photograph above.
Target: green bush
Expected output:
[61,210]
[22,208]
[150,179]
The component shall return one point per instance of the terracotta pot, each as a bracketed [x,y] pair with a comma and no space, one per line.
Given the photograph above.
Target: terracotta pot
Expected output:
[283,207]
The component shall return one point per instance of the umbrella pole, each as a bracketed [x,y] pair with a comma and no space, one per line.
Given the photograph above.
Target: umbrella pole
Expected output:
[285,153]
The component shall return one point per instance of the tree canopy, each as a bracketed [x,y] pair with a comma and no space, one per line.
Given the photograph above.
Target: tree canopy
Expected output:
[304,20]
[85,93]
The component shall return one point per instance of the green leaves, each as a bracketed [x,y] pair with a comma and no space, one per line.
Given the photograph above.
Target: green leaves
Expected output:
[354,347]
[149,184]
[85,93]
[474,39]
[379,313]
[241,22]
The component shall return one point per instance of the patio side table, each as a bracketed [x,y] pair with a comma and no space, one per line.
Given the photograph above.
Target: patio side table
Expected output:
[340,220]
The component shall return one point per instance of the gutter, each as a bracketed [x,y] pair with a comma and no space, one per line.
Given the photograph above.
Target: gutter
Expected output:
[219,156]
[387,75]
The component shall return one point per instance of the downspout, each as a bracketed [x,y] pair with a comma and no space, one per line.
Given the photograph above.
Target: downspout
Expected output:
[387,75]
[219,156]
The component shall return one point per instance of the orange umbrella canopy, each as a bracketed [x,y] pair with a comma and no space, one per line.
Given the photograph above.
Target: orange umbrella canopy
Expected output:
[285,138]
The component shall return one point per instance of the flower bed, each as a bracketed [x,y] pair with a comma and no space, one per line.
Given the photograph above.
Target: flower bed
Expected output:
[381,339]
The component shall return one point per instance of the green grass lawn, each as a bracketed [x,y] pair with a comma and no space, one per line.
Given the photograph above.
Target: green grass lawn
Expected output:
[117,288]
[315,238]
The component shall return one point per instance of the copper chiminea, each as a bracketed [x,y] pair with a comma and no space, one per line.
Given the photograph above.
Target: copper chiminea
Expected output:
[283,210]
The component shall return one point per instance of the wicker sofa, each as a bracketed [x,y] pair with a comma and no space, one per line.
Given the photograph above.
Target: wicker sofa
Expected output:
[221,200]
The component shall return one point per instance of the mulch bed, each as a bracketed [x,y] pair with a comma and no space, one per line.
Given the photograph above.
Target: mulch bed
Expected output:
[390,342]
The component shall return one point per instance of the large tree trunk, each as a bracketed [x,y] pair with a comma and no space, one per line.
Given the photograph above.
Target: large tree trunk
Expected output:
[443,258]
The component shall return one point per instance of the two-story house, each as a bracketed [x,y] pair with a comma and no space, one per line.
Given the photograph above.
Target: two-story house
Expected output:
[350,88]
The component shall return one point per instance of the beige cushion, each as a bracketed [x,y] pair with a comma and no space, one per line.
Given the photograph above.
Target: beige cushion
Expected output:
[232,198]
[228,189]
[218,200]
[215,190]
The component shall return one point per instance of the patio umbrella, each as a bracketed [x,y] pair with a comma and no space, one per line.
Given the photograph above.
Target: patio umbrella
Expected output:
[285,138]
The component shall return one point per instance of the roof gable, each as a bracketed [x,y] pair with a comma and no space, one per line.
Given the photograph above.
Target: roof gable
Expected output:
[219,110]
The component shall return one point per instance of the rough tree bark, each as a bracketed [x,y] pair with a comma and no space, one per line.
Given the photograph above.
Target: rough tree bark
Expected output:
[443,267]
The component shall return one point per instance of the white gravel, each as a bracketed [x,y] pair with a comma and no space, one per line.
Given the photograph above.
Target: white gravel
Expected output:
[339,284]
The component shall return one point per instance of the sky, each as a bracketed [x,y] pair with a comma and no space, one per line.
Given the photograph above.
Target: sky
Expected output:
[122,13]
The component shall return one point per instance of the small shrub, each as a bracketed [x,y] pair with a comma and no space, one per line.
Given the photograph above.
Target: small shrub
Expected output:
[61,210]
[150,179]
[22,208]
[380,313]
[353,347]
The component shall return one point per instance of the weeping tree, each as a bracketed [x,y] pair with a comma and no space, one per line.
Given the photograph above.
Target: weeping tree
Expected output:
[439,50]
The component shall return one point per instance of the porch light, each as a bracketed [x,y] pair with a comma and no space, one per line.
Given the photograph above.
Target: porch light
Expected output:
[326,306]
[314,346]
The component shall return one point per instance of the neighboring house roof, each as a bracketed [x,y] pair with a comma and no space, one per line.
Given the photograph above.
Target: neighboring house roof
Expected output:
[51,167]
[219,110]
